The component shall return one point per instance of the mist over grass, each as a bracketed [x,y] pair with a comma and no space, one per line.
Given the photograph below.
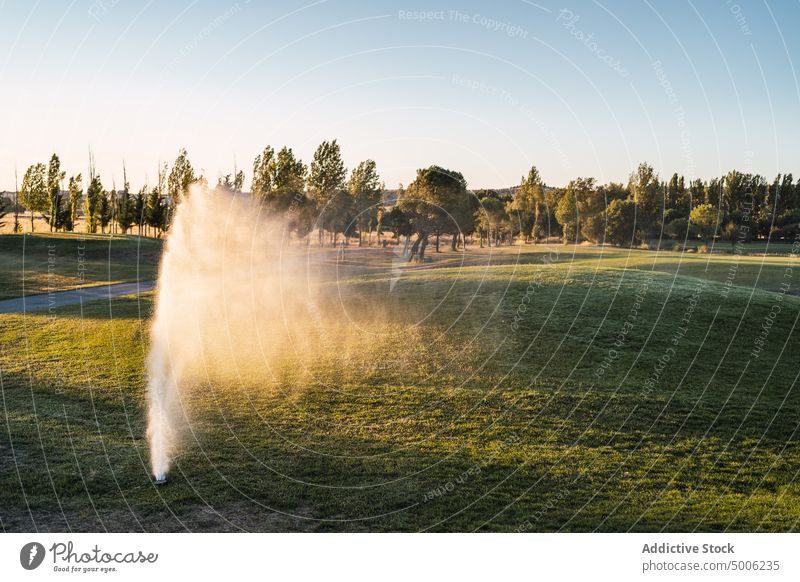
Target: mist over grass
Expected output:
[224,293]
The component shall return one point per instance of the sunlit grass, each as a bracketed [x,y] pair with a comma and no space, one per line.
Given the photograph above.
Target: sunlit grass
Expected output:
[439,405]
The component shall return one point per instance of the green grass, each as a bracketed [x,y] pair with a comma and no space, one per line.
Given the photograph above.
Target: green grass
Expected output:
[748,269]
[442,406]
[756,247]
[33,264]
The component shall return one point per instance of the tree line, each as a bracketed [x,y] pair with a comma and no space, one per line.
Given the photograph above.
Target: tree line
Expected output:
[322,196]
[738,207]
[119,210]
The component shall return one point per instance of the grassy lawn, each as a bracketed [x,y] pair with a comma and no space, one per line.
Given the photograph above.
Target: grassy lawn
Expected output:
[441,406]
[756,247]
[751,269]
[33,264]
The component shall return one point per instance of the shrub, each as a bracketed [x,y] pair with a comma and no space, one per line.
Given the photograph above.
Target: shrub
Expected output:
[677,229]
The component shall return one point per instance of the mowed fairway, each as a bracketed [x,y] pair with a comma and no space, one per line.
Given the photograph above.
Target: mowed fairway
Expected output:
[561,388]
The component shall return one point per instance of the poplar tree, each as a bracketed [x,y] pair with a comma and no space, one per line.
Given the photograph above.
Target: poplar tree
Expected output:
[326,179]
[33,193]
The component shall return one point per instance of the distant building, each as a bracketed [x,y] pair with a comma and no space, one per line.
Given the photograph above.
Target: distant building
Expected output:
[9,197]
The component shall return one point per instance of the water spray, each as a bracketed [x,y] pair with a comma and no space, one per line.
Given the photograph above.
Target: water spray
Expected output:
[227,281]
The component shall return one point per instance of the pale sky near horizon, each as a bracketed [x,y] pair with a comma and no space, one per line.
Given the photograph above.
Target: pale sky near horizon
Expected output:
[575,88]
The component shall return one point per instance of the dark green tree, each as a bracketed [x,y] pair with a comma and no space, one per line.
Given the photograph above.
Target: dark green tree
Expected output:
[286,181]
[92,204]
[326,179]
[180,177]
[156,212]
[567,215]
[54,178]
[75,194]
[525,207]
[492,221]
[365,188]
[138,206]
[103,210]
[645,188]
[621,222]
[262,174]
[124,213]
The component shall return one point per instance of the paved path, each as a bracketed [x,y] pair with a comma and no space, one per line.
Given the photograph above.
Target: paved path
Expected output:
[60,298]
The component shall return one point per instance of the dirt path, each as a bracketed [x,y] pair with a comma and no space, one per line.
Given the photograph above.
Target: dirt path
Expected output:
[58,299]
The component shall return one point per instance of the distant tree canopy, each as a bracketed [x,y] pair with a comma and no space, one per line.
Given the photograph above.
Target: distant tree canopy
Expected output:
[33,192]
[437,202]
[156,211]
[4,209]
[648,195]
[704,220]
[327,173]
[365,189]
[287,176]
[526,206]
[326,181]
[180,177]
[75,194]
[492,221]
[735,207]
[620,226]
[262,180]
[138,205]
[58,211]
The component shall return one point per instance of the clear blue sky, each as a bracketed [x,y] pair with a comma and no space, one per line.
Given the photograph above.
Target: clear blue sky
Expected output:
[576,88]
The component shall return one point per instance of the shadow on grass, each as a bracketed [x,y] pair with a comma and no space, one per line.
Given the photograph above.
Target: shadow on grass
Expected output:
[468,447]
[81,460]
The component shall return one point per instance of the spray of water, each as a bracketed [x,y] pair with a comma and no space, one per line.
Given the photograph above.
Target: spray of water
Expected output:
[230,279]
